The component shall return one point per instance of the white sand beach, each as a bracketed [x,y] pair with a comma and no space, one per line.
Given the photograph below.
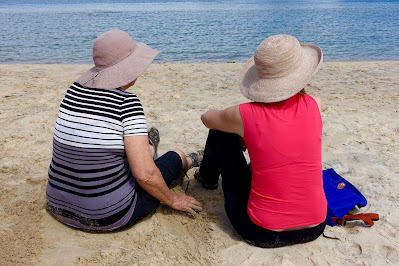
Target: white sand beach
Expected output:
[360,141]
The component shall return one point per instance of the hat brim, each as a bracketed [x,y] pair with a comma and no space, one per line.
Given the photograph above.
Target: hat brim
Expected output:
[281,88]
[121,73]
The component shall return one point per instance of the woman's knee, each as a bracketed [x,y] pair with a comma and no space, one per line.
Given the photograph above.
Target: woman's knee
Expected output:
[180,153]
[182,157]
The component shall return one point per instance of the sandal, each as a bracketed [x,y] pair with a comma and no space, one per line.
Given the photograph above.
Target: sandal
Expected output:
[204,185]
[153,137]
[181,181]
[196,157]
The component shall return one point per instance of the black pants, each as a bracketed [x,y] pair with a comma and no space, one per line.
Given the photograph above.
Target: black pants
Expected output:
[223,155]
[170,166]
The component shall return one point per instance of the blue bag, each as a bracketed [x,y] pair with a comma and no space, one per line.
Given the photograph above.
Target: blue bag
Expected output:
[342,196]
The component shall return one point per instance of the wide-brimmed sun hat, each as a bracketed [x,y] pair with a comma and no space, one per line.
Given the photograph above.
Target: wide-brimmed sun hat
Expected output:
[118,60]
[280,68]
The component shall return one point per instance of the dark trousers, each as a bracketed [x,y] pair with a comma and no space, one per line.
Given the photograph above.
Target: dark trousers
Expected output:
[170,166]
[223,155]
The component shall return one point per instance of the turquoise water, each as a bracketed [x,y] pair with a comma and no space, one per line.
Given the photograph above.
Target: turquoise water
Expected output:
[197,31]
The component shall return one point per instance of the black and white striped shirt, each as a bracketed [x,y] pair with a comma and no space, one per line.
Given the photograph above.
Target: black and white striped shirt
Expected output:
[90,184]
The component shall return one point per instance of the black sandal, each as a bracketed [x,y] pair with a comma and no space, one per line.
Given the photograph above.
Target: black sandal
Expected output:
[204,185]
[181,181]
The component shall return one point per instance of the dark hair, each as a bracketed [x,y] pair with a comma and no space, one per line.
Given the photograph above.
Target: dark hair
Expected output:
[303,91]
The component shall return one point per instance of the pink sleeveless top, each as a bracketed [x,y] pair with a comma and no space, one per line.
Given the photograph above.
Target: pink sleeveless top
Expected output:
[284,145]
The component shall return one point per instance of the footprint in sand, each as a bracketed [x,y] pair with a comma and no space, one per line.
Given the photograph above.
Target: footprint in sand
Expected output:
[390,253]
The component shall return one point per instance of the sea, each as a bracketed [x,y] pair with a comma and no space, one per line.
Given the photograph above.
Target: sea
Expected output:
[63,31]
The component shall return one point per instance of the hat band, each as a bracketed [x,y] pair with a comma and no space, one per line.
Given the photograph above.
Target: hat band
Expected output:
[123,57]
[98,69]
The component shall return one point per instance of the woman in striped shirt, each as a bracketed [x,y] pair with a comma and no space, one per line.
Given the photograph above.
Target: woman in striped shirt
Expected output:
[103,176]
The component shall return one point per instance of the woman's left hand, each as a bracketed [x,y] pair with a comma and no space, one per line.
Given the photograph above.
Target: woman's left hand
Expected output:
[183,202]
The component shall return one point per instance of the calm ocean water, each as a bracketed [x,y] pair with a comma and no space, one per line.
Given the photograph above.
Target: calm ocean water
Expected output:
[63,31]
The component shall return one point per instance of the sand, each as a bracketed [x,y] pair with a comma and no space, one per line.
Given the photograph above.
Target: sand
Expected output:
[360,141]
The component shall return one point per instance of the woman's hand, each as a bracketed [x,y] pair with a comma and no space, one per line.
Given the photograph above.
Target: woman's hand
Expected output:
[182,202]
[150,178]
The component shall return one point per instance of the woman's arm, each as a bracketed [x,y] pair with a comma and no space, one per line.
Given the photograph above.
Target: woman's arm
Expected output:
[227,120]
[149,177]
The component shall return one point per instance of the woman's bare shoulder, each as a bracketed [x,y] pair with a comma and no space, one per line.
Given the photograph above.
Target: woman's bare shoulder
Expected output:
[317,100]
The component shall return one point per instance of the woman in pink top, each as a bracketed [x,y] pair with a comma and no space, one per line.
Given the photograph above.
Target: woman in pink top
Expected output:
[277,199]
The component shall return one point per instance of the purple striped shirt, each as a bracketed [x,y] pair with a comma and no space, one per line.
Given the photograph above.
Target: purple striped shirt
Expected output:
[90,184]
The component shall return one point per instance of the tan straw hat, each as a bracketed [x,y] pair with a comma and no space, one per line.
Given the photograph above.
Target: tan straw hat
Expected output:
[118,60]
[280,68]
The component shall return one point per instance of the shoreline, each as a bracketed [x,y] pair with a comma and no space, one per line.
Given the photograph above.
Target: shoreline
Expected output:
[360,141]
[209,62]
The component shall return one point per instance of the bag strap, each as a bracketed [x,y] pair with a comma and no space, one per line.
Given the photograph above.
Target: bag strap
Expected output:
[368,218]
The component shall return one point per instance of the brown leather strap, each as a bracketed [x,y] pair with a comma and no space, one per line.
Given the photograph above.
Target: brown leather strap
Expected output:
[339,221]
[368,218]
